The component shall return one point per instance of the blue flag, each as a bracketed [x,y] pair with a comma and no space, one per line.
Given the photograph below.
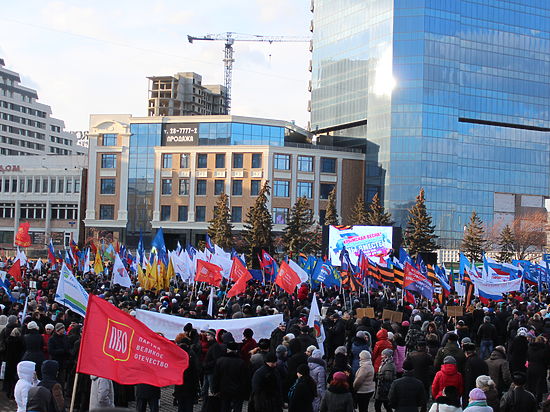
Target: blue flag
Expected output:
[160,246]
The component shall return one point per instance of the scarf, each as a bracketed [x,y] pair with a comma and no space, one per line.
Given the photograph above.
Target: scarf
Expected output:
[477,403]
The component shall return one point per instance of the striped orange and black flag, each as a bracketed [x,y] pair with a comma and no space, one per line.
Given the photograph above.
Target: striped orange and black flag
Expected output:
[386,274]
[372,270]
[431,275]
[349,281]
[398,275]
[468,290]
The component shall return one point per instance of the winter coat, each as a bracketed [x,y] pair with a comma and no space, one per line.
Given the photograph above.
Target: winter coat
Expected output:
[301,395]
[474,367]
[266,393]
[382,343]
[337,399]
[518,399]
[191,377]
[499,370]
[447,376]
[247,346]
[13,355]
[487,331]
[33,348]
[215,350]
[414,335]
[318,372]
[25,371]
[58,348]
[450,349]
[276,339]
[357,347]
[517,354]
[39,400]
[340,364]
[444,404]
[399,358]
[49,381]
[538,357]
[231,379]
[407,394]
[493,399]
[478,406]
[102,393]
[364,377]
[423,366]
[384,378]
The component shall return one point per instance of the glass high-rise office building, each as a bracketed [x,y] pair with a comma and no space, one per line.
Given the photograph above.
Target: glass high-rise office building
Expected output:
[450,95]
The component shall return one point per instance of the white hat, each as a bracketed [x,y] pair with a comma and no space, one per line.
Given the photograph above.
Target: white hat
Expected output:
[32,325]
[417,318]
[49,326]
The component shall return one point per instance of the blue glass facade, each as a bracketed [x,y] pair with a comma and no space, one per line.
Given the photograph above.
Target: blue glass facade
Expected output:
[457,100]
[212,134]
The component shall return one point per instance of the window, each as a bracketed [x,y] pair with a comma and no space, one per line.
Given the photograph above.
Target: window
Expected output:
[183,213]
[280,215]
[200,213]
[184,161]
[281,188]
[7,210]
[256,160]
[53,185]
[77,185]
[32,210]
[6,237]
[220,160]
[236,214]
[304,189]
[237,189]
[108,139]
[165,212]
[69,185]
[305,163]
[219,187]
[106,212]
[166,188]
[184,187]
[166,161]
[37,182]
[107,187]
[64,211]
[237,160]
[328,165]
[255,186]
[6,185]
[202,160]
[45,185]
[201,187]
[108,161]
[60,185]
[28,187]
[281,162]
[325,190]
[14,186]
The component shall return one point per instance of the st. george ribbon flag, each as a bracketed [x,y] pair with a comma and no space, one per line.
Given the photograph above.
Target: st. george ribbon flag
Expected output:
[117,346]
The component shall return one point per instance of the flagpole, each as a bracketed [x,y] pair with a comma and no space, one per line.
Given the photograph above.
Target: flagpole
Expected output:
[73,395]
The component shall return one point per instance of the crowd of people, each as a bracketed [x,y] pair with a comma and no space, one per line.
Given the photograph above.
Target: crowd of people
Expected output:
[494,357]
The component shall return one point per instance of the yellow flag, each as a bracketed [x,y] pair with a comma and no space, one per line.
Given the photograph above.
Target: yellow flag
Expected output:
[98,264]
[153,275]
[169,274]
[141,276]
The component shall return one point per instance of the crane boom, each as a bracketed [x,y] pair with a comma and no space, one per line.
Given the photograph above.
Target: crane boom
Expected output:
[228,60]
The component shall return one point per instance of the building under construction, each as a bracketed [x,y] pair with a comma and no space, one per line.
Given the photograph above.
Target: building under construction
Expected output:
[184,95]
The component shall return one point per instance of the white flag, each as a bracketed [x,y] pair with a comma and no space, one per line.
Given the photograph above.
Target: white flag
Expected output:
[302,274]
[86,266]
[314,321]
[38,265]
[70,292]
[24,314]
[120,274]
[21,256]
[181,267]
[210,310]
[224,263]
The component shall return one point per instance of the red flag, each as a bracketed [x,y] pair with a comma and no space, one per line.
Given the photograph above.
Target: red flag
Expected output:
[208,272]
[409,297]
[240,285]
[287,278]
[22,238]
[117,346]
[238,269]
[15,271]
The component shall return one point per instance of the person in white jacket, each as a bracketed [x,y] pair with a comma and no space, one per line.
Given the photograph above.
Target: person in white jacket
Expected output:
[448,402]
[102,393]
[27,379]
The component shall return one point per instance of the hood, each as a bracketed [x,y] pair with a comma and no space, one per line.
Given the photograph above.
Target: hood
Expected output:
[496,354]
[25,370]
[12,320]
[3,320]
[367,356]
[49,370]
[364,362]
[382,334]
[449,369]
[295,346]
[316,354]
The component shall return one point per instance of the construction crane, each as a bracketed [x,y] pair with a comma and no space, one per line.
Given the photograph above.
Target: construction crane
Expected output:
[230,38]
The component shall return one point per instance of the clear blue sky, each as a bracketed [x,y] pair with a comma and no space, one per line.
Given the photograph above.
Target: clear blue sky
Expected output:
[88,57]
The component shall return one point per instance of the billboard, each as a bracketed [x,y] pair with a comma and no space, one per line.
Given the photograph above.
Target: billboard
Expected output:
[180,134]
[372,240]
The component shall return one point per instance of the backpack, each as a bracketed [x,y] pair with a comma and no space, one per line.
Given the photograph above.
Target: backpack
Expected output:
[413,337]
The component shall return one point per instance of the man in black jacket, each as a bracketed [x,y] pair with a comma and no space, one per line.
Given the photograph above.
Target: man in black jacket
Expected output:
[486,337]
[215,351]
[58,348]
[407,393]
[423,365]
[517,398]
[231,380]
[473,367]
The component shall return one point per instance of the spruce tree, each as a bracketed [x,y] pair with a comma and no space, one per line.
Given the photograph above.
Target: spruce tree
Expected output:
[473,241]
[258,225]
[358,215]
[419,234]
[300,235]
[377,215]
[331,215]
[506,243]
[220,227]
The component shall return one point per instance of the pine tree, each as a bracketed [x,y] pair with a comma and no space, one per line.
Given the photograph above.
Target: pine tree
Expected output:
[473,241]
[359,212]
[506,244]
[419,234]
[377,215]
[258,225]
[331,215]
[300,234]
[220,227]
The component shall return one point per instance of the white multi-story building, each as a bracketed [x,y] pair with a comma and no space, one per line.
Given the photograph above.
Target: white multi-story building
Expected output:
[26,126]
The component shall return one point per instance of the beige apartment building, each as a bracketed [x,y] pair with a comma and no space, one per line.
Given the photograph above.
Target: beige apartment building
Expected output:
[151,172]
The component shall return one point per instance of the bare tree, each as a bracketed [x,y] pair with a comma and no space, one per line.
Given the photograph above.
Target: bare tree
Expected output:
[529,233]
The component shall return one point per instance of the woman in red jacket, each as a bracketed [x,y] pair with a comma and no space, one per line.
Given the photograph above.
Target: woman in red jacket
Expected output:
[382,343]
[447,376]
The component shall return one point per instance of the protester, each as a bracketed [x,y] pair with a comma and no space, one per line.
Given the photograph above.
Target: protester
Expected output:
[364,385]
[449,401]
[230,381]
[473,367]
[407,393]
[486,384]
[517,398]
[266,392]
[303,392]
[338,397]
[477,402]
[26,370]
[318,372]
[13,354]
[381,344]
[384,378]
[499,369]
[486,336]
[102,393]
[447,376]
[538,361]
